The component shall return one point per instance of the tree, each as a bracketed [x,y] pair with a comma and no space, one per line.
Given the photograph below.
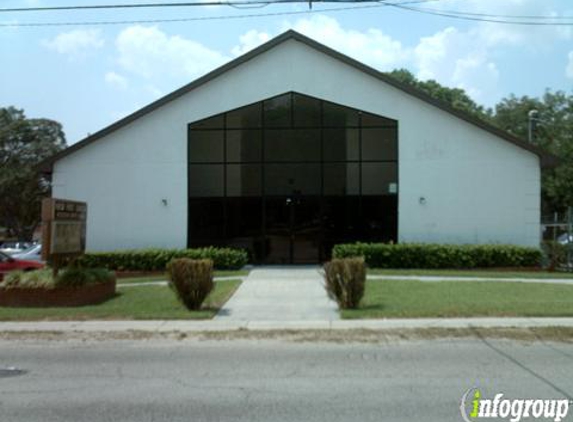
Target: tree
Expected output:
[553,131]
[455,97]
[24,143]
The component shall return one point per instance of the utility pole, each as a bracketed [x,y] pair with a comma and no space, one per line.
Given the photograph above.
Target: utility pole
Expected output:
[531,118]
[569,234]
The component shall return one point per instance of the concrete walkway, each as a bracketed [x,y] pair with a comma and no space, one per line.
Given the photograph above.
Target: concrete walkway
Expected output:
[280,294]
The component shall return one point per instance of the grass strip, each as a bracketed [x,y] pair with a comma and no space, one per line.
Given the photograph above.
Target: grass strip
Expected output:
[472,273]
[137,302]
[417,299]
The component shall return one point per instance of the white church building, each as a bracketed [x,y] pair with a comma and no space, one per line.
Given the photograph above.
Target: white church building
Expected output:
[292,148]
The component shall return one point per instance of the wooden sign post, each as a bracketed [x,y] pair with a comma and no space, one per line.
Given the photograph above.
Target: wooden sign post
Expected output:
[63,231]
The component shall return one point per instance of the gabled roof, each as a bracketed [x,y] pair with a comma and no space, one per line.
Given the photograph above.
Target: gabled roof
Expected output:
[547,160]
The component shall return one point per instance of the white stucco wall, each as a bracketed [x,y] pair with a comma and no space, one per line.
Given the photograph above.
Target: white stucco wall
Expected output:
[478,187]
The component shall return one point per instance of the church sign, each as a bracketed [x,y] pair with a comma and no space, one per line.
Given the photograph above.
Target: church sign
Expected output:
[63,228]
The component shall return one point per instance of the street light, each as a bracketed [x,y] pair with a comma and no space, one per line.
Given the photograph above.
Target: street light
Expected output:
[532,116]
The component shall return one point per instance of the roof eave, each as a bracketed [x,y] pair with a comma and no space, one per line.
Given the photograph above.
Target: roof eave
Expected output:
[546,159]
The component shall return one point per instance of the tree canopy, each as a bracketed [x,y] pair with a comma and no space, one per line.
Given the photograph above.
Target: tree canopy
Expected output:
[455,97]
[552,129]
[24,143]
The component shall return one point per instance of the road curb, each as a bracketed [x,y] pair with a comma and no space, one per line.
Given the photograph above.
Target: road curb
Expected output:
[159,326]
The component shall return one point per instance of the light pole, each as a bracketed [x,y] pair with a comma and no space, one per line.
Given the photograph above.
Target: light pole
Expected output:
[532,116]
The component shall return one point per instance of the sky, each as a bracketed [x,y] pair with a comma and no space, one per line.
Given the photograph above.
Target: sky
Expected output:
[88,76]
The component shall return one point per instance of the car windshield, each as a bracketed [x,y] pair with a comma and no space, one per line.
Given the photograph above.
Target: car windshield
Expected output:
[31,249]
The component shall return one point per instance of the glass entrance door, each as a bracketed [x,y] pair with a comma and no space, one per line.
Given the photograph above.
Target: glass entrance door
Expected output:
[292,230]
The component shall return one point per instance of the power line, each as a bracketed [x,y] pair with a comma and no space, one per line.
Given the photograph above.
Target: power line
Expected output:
[485,15]
[531,20]
[191,19]
[497,18]
[501,19]
[379,4]
[140,5]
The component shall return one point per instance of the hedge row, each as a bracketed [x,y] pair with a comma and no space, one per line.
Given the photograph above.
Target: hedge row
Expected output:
[419,255]
[43,279]
[157,259]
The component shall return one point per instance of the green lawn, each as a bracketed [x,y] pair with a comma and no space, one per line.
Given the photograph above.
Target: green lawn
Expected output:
[137,302]
[163,277]
[416,299]
[472,273]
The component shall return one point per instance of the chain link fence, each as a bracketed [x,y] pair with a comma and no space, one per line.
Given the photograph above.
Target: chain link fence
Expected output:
[557,240]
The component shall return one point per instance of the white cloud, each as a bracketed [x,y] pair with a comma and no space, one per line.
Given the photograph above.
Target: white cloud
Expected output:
[75,43]
[432,51]
[372,46]
[458,59]
[153,91]
[250,40]
[116,80]
[532,36]
[149,52]
[452,57]
[456,56]
[569,69]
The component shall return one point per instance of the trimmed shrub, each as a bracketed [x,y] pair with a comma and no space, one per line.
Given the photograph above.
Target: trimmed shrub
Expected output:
[39,279]
[191,279]
[43,279]
[345,280]
[157,259]
[427,255]
[76,277]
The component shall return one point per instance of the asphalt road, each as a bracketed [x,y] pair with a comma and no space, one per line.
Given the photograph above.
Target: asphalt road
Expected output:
[271,380]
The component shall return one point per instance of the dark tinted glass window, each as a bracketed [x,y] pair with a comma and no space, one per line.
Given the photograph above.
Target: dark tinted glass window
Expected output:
[379,217]
[244,224]
[378,178]
[341,179]
[244,180]
[245,216]
[206,180]
[341,144]
[215,122]
[342,218]
[244,145]
[245,117]
[206,146]
[292,145]
[278,111]
[337,115]
[292,179]
[319,173]
[306,111]
[373,120]
[206,219]
[379,144]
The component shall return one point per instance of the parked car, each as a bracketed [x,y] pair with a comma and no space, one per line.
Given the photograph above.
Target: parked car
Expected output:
[565,239]
[14,247]
[33,253]
[9,263]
